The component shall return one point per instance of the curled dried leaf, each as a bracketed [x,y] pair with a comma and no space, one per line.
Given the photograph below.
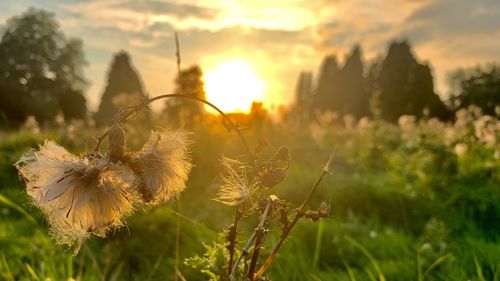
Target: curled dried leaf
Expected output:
[117,144]
[274,171]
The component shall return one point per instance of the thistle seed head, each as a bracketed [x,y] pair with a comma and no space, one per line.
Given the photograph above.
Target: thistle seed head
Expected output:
[79,196]
[236,187]
[163,166]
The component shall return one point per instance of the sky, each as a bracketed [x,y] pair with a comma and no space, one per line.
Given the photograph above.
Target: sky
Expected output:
[278,39]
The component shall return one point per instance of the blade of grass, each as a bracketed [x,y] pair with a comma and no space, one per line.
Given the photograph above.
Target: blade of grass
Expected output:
[314,277]
[6,269]
[479,270]
[435,264]
[352,277]
[373,261]
[317,246]
[6,201]
[31,272]
[419,267]
[69,262]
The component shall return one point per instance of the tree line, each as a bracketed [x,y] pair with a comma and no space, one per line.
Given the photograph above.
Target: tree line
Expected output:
[41,74]
[396,84]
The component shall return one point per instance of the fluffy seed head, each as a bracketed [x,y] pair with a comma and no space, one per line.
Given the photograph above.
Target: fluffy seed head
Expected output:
[163,166]
[79,196]
[236,186]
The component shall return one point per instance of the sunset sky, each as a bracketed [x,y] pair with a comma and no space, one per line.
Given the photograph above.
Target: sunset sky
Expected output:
[274,39]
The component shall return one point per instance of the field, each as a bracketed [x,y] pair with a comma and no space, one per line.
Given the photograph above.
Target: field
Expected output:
[414,201]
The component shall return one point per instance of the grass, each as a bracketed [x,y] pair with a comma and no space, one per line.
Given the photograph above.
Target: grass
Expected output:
[405,206]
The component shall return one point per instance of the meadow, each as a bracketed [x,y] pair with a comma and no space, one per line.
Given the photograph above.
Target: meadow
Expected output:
[417,200]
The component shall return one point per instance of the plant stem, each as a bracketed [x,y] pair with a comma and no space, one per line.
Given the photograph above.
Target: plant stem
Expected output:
[255,255]
[135,109]
[233,231]
[298,215]
[246,248]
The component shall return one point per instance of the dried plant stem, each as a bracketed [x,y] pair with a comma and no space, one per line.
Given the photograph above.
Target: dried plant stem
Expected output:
[298,215]
[232,234]
[177,53]
[246,248]
[232,125]
[134,109]
[256,250]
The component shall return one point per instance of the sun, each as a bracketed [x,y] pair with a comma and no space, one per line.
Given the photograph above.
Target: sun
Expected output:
[233,86]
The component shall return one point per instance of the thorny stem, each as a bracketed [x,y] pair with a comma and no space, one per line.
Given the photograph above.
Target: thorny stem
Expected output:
[256,251]
[298,215]
[233,230]
[135,109]
[246,248]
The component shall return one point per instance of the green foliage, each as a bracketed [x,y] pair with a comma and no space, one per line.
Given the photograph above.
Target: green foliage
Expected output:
[478,86]
[419,200]
[40,69]
[213,262]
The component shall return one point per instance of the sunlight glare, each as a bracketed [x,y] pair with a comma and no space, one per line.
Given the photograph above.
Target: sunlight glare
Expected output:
[233,86]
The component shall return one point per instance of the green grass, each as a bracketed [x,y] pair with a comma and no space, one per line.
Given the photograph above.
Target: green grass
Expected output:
[403,208]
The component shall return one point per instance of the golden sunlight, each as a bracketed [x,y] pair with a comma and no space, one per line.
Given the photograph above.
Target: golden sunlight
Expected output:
[233,86]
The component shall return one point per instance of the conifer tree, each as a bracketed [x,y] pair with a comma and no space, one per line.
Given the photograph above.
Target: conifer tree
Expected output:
[406,86]
[123,79]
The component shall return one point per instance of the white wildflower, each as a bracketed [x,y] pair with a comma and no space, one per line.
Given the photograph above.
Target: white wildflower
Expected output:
[365,123]
[236,186]
[79,196]
[461,149]
[349,121]
[485,130]
[163,165]
[407,122]
[31,125]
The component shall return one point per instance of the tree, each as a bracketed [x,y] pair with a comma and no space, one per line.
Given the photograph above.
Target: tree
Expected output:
[39,67]
[303,96]
[406,86]
[478,86]
[123,81]
[343,90]
[325,91]
[352,96]
[188,82]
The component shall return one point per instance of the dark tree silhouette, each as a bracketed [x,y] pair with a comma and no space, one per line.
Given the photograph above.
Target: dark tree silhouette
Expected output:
[329,77]
[406,86]
[343,90]
[352,96]
[478,86]
[73,105]
[39,66]
[190,83]
[303,96]
[123,80]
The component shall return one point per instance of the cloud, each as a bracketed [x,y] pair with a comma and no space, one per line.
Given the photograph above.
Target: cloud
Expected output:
[180,11]
[280,38]
[452,18]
